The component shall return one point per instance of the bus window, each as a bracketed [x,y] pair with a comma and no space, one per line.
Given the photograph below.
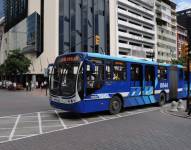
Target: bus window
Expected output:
[136,75]
[119,71]
[149,73]
[185,76]
[108,72]
[180,74]
[94,79]
[162,73]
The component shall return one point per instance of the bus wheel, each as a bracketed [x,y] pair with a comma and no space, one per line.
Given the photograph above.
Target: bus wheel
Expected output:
[162,100]
[115,105]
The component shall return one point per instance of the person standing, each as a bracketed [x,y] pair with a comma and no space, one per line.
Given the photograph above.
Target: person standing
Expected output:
[36,84]
[189,108]
[29,86]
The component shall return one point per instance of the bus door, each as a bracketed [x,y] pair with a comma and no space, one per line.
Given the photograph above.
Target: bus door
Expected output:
[185,89]
[180,88]
[136,82]
[94,78]
[173,82]
[149,80]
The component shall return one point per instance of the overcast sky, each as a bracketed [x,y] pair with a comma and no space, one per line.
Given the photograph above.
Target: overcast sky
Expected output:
[181,5]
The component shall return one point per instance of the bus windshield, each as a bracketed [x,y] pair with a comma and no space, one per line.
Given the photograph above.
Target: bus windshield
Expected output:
[63,79]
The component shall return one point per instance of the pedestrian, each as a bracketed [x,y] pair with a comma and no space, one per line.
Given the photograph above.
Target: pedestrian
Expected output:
[14,85]
[36,84]
[189,108]
[42,85]
[27,86]
[32,85]
[45,84]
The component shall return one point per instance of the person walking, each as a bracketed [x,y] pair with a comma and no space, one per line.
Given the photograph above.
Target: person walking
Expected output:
[27,86]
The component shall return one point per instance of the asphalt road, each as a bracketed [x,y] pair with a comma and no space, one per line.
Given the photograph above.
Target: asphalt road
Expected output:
[136,129]
[21,102]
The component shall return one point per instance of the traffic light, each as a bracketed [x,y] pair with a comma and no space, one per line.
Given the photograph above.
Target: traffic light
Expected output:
[97,40]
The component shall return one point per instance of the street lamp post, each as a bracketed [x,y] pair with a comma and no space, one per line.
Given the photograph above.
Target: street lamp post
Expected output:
[188,72]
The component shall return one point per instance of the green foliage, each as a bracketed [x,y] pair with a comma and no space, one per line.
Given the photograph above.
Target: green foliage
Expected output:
[2,69]
[179,61]
[16,63]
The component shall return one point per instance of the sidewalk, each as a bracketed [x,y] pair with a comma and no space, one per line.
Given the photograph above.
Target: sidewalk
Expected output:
[179,113]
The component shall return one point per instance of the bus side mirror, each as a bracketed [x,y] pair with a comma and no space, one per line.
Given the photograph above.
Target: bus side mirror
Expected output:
[92,65]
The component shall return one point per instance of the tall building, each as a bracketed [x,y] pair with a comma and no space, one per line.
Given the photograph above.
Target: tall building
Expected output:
[2,25]
[182,41]
[134,28]
[44,29]
[15,11]
[28,27]
[166,30]
[184,19]
[80,22]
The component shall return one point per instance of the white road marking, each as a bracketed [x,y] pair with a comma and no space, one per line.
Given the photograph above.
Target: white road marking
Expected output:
[118,115]
[136,112]
[85,121]
[61,121]
[14,128]
[103,118]
[40,123]
[25,115]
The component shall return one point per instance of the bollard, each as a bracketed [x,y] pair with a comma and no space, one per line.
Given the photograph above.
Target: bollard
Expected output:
[174,107]
[181,105]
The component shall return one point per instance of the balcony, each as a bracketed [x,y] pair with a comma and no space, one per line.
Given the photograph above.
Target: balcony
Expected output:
[137,48]
[167,43]
[167,35]
[135,27]
[134,6]
[134,37]
[136,17]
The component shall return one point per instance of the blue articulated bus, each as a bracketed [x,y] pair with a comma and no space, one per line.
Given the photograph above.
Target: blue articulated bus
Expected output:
[92,82]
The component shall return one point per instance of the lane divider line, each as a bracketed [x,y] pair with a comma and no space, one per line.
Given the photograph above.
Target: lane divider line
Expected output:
[14,128]
[61,121]
[40,123]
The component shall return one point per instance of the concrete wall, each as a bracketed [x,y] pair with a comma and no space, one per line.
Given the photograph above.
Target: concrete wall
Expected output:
[34,5]
[50,52]
[113,17]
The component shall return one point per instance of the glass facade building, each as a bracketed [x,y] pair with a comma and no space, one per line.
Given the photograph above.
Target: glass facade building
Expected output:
[15,11]
[80,22]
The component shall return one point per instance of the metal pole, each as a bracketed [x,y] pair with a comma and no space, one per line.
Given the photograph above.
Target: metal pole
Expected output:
[188,72]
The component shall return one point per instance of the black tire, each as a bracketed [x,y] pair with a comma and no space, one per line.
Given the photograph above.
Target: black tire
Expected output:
[115,105]
[162,99]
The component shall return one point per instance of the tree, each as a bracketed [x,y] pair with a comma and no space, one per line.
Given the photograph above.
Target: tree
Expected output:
[2,71]
[16,63]
[179,61]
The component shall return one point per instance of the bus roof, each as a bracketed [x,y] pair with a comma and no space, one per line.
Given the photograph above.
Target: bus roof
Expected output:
[127,59]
